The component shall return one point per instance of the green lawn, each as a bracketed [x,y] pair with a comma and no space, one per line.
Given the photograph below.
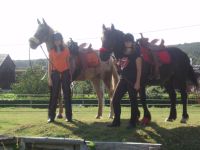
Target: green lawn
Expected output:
[173,135]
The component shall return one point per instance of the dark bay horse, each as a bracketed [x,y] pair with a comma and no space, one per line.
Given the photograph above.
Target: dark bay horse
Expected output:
[105,71]
[172,76]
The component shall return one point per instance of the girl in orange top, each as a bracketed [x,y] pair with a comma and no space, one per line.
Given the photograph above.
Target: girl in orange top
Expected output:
[59,75]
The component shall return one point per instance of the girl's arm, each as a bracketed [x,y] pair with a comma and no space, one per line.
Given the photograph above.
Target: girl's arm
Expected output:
[68,62]
[49,71]
[139,72]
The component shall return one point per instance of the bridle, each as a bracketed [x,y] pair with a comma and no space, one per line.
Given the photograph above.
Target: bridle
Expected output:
[39,42]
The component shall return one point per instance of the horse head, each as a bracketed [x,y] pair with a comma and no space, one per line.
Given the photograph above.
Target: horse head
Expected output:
[42,35]
[112,42]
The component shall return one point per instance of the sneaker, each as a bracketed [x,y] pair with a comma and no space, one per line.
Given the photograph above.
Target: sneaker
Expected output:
[50,120]
[68,120]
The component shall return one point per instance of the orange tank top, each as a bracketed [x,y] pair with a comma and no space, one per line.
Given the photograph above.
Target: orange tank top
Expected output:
[59,61]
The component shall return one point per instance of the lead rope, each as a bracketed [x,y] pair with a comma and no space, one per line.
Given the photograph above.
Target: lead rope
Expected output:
[47,57]
[47,60]
[30,63]
[45,54]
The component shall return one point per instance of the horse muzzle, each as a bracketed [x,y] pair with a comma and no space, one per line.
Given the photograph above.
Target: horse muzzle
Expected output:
[34,42]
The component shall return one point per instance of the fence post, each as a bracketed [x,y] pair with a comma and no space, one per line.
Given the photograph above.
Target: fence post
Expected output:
[31,102]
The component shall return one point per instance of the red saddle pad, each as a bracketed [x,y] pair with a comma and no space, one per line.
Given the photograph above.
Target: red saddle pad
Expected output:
[88,59]
[163,55]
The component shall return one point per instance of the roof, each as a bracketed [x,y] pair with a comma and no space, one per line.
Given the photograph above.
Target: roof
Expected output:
[3,57]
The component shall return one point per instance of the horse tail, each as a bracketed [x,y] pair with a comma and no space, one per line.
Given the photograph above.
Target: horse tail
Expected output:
[192,76]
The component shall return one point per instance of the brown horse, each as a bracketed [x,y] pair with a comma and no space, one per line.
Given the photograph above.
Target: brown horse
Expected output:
[105,71]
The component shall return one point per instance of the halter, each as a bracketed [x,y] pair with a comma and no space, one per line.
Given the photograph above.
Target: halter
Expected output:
[38,41]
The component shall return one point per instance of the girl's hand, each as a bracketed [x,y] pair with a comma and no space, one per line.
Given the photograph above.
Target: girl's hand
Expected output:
[137,86]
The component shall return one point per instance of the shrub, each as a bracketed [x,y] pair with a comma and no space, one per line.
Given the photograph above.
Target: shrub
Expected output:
[30,82]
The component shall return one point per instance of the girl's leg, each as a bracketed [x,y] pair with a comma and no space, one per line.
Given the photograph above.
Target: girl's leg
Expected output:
[50,102]
[134,106]
[121,89]
[66,81]
[55,77]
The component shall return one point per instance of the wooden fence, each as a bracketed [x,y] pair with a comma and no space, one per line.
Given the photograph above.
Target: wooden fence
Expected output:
[87,102]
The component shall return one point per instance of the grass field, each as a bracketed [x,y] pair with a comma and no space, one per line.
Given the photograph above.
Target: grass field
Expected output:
[172,135]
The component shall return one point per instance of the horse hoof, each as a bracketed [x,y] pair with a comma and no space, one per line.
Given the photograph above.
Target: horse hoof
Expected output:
[111,116]
[169,120]
[59,116]
[98,117]
[184,120]
[145,121]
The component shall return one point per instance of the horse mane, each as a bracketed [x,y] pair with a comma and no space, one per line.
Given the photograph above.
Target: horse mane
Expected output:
[119,46]
[49,43]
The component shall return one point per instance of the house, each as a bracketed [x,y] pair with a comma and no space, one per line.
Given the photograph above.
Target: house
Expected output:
[7,71]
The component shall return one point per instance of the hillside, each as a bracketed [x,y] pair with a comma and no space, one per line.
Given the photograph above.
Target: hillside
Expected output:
[192,49]
[23,64]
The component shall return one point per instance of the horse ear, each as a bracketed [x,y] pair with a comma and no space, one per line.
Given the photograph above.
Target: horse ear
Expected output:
[141,35]
[104,27]
[44,22]
[38,21]
[90,46]
[112,27]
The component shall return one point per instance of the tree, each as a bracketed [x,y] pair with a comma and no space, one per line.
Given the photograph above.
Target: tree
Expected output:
[30,82]
[83,87]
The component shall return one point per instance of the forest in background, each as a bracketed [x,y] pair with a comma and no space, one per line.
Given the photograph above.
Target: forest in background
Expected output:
[193,51]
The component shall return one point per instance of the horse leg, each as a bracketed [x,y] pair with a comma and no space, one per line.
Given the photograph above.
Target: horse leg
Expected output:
[172,95]
[60,105]
[108,83]
[99,91]
[185,115]
[147,115]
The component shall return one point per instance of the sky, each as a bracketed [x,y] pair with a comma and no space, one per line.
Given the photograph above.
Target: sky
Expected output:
[176,21]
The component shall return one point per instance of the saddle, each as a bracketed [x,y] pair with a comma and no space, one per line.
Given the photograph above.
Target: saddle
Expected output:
[161,54]
[86,56]
[156,55]
[150,51]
